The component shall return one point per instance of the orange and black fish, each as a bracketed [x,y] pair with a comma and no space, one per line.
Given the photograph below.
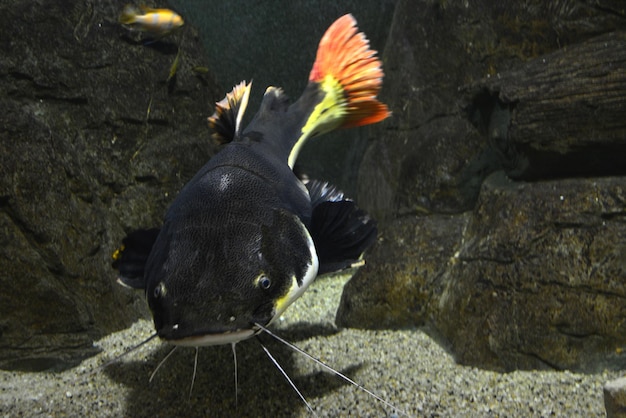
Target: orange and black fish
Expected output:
[155,21]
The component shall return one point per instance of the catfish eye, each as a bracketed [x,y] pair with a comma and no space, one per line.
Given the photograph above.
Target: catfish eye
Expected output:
[264,282]
[159,290]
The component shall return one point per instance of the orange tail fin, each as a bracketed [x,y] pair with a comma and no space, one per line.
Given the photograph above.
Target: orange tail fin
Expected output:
[344,57]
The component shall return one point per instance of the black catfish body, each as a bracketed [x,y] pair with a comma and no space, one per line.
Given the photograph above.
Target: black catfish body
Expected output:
[245,237]
[233,244]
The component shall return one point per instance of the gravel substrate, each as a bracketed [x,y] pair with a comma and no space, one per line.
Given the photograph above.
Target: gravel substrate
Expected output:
[405,367]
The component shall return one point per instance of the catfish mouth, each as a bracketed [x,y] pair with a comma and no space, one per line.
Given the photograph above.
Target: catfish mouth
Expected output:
[208,338]
[196,330]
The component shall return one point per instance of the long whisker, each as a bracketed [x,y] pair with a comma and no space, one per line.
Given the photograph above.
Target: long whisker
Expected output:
[195,368]
[235,360]
[286,377]
[327,367]
[127,352]
[161,363]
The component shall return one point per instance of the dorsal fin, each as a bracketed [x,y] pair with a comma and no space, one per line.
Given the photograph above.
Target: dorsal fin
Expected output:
[147,9]
[226,121]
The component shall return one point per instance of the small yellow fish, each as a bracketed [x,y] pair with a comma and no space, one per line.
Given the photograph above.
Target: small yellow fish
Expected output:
[146,19]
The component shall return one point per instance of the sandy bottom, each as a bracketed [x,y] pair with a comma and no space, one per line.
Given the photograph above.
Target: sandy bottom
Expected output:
[406,368]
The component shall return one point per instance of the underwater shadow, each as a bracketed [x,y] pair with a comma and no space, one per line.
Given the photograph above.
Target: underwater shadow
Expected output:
[262,389]
[165,47]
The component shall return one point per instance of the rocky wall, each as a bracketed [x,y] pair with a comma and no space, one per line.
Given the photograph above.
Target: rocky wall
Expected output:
[500,184]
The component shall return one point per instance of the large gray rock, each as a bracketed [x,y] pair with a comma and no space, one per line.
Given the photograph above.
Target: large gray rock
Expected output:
[427,158]
[409,259]
[94,143]
[443,61]
[560,114]
[533,278]
[540,278]
[535,92]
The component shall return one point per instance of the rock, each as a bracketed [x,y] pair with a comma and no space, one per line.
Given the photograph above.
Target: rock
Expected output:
[560,114]
[438,58]
[534,92]
[540,278]
[440,170]
[615,398]
[533,278]
[427,156]
[95,142]
[409,259]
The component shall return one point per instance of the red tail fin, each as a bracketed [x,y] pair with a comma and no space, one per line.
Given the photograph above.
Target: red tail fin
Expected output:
[344,54]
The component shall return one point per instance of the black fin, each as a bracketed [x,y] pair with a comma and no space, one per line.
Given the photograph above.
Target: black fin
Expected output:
[226,121]
[320,192]
[130,259]
[340,230]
